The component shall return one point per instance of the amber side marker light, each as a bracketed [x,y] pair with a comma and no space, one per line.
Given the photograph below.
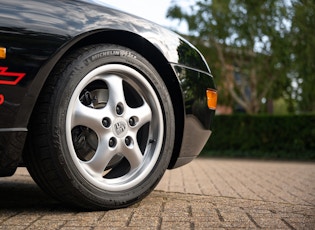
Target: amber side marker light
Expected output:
[3,53]
[212,97]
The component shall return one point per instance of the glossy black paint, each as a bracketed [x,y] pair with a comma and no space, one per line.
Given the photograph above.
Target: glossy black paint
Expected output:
[37,34]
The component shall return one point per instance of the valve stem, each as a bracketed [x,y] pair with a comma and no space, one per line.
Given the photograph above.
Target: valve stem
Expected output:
[152,141]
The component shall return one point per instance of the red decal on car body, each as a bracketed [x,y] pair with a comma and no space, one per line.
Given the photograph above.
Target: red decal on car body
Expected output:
[1,99]
[9,78]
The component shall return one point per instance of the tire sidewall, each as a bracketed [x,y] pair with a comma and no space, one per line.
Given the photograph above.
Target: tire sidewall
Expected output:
[78,68]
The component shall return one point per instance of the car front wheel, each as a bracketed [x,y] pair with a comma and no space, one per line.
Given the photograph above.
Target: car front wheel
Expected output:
[103,131]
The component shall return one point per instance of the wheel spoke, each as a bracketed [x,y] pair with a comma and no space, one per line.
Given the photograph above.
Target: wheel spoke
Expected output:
[102,157]
[83,115]
[134,156]
[116,91]
[142,113]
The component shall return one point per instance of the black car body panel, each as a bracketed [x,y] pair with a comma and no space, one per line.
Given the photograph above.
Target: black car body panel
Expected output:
[36,34]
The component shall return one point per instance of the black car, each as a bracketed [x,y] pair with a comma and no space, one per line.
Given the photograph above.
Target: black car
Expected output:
[97,103]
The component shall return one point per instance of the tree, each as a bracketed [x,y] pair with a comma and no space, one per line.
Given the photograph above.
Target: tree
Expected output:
[303,53]
[246,38]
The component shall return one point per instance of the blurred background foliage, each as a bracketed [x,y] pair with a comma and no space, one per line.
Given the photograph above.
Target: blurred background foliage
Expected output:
[262,56]
[263,136]
[262,53]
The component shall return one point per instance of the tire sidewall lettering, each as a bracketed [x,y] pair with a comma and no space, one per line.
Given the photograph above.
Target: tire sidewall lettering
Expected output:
[110,53]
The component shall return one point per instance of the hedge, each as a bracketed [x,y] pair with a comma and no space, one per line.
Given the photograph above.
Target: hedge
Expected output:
[263,136]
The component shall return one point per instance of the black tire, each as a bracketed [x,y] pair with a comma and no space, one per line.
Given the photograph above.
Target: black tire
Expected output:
[103,131]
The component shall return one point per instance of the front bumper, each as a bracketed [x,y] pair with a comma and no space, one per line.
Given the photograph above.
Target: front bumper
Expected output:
[198,120]
[194,139]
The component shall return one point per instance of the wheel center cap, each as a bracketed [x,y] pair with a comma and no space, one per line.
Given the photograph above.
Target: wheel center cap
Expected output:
[120,127]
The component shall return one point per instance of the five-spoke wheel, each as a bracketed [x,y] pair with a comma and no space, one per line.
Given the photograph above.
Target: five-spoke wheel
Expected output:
[103,132]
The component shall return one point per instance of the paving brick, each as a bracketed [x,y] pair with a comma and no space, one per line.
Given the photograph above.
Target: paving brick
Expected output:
[42,225]
[205,194]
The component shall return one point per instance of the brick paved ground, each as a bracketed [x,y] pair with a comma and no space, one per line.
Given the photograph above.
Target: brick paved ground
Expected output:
[206,194]
[257,180]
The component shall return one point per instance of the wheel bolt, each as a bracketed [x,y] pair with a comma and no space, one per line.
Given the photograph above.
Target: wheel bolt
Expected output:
[119,109]
[106,122]
[112,142]
[132,121]
[128,141]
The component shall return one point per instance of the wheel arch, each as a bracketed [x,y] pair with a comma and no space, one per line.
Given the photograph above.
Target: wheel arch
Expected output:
[149,52]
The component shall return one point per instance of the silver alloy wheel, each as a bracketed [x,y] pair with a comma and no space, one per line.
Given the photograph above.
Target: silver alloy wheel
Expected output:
[103,131]
[116,116]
